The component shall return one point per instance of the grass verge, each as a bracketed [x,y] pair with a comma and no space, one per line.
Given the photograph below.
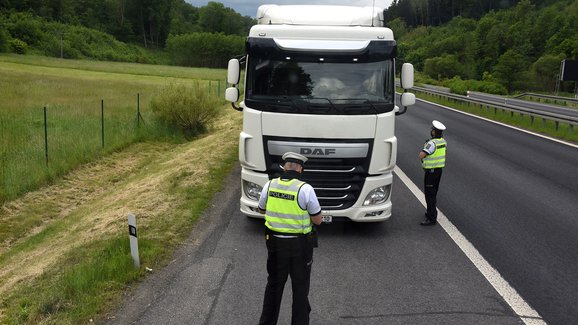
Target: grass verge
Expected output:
[562,132]
[74,264]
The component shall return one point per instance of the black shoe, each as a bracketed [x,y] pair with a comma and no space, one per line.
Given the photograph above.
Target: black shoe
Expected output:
[428,222]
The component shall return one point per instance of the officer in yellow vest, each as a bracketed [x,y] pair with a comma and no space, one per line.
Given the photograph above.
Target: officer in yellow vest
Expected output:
[433,160]
[291,208]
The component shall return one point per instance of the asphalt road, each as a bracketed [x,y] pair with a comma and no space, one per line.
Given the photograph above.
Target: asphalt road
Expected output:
[514,196]
[511,194]
[395,272]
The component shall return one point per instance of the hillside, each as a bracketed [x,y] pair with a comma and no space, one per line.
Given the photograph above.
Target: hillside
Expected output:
[511,49]
[126,31]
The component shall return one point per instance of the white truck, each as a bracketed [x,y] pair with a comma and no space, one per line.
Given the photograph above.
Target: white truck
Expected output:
[320,81]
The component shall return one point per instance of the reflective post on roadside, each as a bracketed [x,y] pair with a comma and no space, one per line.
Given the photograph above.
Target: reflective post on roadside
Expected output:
[132,234]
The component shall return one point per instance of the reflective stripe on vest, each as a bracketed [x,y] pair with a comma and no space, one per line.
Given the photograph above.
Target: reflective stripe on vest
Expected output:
[438,158]
[283,211]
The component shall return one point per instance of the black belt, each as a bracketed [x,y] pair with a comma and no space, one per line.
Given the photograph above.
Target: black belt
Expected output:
[284,234]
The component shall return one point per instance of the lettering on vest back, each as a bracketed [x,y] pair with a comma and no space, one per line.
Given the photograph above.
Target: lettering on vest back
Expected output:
[283,196]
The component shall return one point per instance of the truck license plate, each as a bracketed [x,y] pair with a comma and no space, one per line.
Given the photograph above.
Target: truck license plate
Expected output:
[326,219]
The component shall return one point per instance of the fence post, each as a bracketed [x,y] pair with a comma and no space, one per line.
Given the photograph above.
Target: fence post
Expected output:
[138,114]
[45,137]
[138,110]
[102,119]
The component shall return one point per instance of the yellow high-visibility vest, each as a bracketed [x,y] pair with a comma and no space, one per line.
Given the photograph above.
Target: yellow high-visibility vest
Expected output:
[283,211]
[438,158]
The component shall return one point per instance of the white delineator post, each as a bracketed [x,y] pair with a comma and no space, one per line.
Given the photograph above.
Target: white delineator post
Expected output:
[132,234]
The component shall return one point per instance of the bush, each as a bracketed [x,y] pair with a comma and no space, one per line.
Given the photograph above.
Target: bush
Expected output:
[191,110]
[25,27]
[461,87]
[18,46]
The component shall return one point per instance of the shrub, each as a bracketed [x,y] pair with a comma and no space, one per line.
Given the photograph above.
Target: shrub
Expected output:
[18,46]
[25,27]
[191,110]
[459,86]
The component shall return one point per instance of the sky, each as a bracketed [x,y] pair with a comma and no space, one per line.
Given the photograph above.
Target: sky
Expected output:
[249,7]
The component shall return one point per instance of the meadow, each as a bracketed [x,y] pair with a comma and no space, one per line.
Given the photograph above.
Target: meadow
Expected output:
[64,255]
[75,94]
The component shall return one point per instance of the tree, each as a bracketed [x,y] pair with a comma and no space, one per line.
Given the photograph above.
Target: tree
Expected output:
[512,70]
[443,67]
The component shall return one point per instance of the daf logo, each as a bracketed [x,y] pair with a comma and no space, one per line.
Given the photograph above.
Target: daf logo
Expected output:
[317,151]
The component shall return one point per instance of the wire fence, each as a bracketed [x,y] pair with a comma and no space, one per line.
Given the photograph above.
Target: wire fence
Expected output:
[39,144]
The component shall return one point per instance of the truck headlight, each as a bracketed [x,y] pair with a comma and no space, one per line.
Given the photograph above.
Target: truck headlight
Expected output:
[252,190]
[378,195]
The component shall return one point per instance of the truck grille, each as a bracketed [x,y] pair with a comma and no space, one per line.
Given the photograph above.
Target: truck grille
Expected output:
[337,181]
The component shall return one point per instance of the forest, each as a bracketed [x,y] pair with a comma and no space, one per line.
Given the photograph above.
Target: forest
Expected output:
[497,46]
[122,30]
[487,45]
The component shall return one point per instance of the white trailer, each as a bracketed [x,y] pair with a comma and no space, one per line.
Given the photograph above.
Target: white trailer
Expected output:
[320,81]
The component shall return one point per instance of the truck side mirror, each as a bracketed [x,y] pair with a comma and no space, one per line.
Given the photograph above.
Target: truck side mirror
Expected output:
[232,94]
[233,72]
[406,76]
[407,99]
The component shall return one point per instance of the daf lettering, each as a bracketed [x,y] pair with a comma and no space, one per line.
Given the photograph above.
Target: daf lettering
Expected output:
[317,151]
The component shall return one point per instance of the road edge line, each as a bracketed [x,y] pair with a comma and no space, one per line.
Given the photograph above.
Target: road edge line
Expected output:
[522,309]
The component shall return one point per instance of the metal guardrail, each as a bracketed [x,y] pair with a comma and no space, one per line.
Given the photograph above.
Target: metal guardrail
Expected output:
[533,113]
[550,97]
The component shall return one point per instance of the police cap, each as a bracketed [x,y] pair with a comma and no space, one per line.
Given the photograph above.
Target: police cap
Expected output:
[438,125]
[294,157]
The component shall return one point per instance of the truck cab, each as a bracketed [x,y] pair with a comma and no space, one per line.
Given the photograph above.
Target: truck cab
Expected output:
[320,81]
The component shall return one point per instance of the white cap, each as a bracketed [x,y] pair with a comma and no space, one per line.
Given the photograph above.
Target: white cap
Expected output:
[294,157]
[438,125]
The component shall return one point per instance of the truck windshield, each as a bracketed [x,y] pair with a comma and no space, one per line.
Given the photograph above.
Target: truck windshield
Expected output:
[345,87]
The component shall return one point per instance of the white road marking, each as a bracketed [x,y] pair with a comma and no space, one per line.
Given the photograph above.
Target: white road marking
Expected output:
[502,124]
[526,313]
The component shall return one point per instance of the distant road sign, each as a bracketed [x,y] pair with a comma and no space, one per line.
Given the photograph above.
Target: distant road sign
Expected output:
[569,70]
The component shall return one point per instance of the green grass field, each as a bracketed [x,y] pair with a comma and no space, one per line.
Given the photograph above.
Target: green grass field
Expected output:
[72,92]
[64,255]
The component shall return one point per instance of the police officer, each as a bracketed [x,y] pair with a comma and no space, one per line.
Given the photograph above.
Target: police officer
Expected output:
[433,160]
[291,208]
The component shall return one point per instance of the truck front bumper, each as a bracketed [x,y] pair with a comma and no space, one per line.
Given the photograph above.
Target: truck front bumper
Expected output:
[358,212]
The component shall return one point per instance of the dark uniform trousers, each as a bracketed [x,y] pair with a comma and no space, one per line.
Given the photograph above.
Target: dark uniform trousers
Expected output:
[287,256]
[431,185]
